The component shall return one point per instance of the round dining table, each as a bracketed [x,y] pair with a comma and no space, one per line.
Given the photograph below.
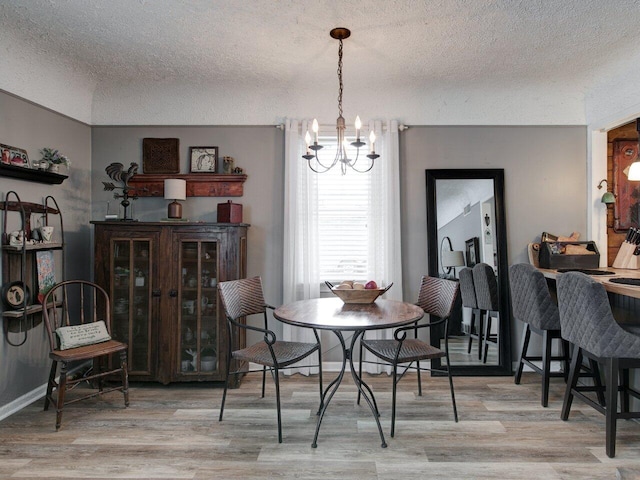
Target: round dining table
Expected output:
[334,315]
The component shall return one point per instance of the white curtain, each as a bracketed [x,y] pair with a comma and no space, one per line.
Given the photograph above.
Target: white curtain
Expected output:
[385,258]
[301,271]
[301,277]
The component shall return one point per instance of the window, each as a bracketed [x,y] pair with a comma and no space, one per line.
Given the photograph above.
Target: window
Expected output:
[343,219]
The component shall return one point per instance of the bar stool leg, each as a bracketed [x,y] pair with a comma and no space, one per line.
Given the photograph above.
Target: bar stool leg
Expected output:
[546,367]
[611,382]
[526,335]
[576,361]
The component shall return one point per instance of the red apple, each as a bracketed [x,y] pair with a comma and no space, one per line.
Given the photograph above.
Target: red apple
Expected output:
[371,285]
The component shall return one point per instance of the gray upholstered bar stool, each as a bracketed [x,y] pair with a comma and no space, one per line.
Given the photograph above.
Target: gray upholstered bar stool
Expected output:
[486,286]
[588,323]
[468,295]
[533,305]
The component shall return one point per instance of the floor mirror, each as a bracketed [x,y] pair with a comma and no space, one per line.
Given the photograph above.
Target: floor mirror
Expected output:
[466,225]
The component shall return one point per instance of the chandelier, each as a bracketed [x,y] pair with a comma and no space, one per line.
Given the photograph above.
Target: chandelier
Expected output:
[341,157]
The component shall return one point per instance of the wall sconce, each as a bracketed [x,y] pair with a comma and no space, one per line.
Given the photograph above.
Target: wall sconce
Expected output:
[175,189]
[450,259]
[608,197]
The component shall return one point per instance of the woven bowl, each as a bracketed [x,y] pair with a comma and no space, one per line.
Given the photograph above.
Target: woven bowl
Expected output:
[359,296]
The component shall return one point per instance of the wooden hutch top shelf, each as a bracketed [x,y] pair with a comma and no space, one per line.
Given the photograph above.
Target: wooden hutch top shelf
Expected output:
[198,184]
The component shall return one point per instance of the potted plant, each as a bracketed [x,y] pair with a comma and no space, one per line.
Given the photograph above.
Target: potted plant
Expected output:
[54,159]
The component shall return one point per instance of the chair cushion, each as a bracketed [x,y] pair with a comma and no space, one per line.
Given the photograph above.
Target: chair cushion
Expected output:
[412,350]
[486,286]
[587,320]
[286,353]
[531,300]
[79,335]
[467,290]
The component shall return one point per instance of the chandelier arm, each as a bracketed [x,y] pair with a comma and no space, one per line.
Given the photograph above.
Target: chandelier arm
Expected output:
[324,168]
[371,162]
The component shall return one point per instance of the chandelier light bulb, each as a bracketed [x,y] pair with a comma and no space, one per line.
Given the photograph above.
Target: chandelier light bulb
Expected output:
[358,127]
[315,129]
[372,140]
[307,140]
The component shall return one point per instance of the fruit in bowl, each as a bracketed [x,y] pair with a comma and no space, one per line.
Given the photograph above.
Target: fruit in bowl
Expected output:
[357,292]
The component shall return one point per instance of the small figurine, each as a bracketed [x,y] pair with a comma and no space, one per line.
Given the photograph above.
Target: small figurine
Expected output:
[227,163]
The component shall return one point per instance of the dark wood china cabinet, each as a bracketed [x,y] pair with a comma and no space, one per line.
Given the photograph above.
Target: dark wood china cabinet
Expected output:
[162,280]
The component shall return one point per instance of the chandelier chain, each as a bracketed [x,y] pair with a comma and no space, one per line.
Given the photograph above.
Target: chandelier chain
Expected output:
[340,79]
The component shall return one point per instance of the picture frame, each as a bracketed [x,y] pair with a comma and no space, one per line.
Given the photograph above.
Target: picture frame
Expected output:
[203,159]
[15,156]
[472,250]
[160,155]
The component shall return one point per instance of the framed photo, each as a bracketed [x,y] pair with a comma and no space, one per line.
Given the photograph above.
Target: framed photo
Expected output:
[472,247]
[14,156]
[160,155]
[203,159]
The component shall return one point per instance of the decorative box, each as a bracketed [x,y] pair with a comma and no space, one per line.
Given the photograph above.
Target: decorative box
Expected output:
[229,212]
[552,256]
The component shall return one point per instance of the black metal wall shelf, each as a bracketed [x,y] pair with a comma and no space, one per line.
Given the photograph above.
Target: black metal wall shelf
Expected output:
[30,174]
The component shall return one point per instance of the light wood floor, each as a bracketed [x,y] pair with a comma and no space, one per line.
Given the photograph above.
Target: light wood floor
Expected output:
[173,433]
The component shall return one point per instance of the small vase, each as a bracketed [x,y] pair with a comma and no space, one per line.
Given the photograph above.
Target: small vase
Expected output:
[54,168]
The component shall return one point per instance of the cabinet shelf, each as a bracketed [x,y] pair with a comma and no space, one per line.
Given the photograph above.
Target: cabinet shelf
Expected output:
[30,174]
[198,184]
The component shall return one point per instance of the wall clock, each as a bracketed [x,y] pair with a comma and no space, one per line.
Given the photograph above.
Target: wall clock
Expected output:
[15,295]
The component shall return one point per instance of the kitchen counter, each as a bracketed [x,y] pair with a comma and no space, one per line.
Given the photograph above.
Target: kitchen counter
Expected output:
[620,289]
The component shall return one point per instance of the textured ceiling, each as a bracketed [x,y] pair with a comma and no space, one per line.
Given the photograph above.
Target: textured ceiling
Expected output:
[264,44]
[266,41]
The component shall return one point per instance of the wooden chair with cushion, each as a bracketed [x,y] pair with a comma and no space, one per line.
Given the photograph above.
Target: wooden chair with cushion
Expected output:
[588,324]
[77,317]
[436,297]
[244,297]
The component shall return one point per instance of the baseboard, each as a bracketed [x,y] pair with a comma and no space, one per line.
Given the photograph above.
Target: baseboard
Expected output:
[23,401]
[29,397]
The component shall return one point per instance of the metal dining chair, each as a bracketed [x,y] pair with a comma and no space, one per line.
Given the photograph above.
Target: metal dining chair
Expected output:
[244,297]
[587,322]
[436,297]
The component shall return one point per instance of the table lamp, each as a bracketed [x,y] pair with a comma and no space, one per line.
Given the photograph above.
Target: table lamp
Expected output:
[175,189]
[452,259]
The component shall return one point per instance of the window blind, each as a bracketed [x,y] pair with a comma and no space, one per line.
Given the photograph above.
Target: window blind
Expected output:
[343,212]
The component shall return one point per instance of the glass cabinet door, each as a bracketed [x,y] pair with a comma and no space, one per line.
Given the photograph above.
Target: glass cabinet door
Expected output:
[198,326]
[131,297]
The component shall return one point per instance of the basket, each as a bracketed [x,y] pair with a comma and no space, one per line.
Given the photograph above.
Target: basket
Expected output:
[358,296]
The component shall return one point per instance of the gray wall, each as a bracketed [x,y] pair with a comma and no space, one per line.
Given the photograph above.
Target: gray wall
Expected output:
[545,190]
[545,172]
[31,127]
[258,150]
[545,184]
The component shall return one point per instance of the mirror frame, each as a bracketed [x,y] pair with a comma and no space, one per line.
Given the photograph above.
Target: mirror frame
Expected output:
[504,366]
